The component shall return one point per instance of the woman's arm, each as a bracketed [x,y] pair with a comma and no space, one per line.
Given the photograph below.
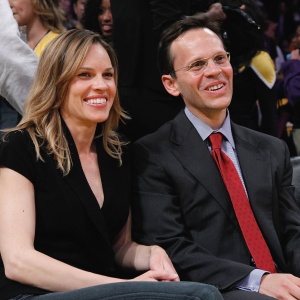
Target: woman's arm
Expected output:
[140,257]
[21,261]
[17,229]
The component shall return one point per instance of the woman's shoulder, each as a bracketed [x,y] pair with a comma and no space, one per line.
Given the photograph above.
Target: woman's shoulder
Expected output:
[17,152]
[16,138]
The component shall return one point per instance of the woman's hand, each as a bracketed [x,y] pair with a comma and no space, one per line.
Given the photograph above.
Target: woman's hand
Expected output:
[156,276]
[160,261]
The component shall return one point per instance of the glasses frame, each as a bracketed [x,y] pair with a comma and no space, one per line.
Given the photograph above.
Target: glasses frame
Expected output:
[205,59]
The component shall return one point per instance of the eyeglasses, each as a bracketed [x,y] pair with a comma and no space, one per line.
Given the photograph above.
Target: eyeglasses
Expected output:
[198,66]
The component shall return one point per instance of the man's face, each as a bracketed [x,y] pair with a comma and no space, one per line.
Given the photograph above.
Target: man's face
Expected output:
[207,92]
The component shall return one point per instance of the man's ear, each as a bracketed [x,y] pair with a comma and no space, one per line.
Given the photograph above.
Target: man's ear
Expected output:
[170,85]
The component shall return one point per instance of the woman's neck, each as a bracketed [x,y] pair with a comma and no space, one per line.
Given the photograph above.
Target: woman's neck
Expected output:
[35,32]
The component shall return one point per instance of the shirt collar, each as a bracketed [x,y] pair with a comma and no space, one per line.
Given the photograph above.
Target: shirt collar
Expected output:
[205,131]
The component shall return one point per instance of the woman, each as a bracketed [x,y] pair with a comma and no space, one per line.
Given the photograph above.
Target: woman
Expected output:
[98,18]
[43,20]
[61,236]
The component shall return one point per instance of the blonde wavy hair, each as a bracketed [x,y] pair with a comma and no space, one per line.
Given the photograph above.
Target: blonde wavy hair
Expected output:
[58,64]
[50,13]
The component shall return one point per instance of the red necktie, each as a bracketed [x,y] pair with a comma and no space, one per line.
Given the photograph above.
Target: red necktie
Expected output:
[251,232]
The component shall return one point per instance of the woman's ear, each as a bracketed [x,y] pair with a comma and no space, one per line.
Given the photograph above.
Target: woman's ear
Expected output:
[170,85]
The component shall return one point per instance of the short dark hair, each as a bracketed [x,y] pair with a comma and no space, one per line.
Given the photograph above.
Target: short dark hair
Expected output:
[199,20]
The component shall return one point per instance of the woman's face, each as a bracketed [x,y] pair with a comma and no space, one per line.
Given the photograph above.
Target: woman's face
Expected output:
[105,18]
[22,11]
[91,92]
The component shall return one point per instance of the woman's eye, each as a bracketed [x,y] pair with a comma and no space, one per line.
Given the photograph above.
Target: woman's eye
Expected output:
[108,74]
[84,74]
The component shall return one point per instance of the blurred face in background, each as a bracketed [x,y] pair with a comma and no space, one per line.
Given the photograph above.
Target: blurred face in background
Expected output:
[22,11]
[105,18]
[79,8]
[295,41]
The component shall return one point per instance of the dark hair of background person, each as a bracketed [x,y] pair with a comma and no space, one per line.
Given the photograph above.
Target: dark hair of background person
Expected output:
[90,17]
[242,31]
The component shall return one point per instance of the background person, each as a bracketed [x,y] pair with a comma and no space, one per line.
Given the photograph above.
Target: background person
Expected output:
[15,78]
[98,18]
[43,20]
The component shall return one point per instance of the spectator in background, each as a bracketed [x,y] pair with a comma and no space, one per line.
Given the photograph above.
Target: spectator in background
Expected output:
[43,20]
[77,9]
[137,29]
[291,85]
[66,7]
[254,92]
[271,45]
[98,18]
[18,64]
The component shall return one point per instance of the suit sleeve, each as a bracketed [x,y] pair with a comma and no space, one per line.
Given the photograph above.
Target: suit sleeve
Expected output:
[158,219]
[288,227]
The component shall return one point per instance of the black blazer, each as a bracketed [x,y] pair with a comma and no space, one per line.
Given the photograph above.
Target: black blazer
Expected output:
[70,226]
[181,203]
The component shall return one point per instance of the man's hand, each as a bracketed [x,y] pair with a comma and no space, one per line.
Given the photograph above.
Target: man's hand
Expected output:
[280,286]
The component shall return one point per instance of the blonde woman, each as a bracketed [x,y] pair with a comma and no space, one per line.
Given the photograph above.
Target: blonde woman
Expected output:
[43,20]
[65,189]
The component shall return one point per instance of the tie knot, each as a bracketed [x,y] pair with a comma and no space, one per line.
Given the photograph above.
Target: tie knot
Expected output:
[216,140]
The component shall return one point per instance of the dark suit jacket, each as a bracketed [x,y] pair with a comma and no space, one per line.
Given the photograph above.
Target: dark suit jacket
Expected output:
[181,203]
[70,226]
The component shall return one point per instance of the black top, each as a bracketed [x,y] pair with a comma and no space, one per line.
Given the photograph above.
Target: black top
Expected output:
[70,226]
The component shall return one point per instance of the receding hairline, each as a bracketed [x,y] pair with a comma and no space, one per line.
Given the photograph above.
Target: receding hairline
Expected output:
[182,35]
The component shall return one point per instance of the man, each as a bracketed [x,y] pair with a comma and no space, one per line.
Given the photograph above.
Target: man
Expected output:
[180,199]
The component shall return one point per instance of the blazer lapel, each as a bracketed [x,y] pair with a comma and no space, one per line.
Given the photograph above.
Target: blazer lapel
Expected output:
[192,152]
[79,184]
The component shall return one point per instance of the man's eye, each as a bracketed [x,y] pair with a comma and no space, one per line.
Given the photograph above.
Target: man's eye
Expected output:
[196,65]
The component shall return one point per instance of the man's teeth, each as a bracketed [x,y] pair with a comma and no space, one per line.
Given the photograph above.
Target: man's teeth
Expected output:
[215,87]
[96,101]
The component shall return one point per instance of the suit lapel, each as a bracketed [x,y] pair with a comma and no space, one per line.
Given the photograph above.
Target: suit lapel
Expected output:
[192,152]
[255,166]
[255,163]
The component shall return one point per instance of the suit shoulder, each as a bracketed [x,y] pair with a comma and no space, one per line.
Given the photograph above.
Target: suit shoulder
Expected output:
[257,138]
[156,138]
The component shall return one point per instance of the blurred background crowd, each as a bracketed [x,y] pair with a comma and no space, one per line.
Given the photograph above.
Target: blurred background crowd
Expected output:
[263,99]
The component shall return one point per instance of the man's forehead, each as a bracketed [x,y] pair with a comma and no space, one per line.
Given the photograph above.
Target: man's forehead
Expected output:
[194,37]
